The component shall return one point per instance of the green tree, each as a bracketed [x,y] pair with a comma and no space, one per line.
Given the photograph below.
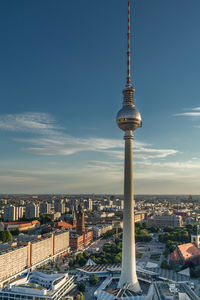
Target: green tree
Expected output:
[6,236]
[93,279]
[81,286]
[71,263]
[154,229]
[165,265]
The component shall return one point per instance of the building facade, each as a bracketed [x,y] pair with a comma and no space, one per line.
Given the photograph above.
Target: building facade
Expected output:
[32,211]
[17,259]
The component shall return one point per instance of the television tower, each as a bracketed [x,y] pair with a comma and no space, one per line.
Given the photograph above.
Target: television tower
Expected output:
[128,119]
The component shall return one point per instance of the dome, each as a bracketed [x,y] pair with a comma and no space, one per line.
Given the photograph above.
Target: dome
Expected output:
[128,118]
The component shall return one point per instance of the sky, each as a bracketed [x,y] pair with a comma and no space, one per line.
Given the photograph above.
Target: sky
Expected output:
[63,69]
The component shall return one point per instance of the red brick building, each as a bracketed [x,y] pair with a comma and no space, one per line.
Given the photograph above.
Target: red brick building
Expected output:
[185,255]
[81,238]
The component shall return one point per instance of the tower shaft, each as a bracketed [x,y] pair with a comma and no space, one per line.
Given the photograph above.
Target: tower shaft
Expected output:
[128,273]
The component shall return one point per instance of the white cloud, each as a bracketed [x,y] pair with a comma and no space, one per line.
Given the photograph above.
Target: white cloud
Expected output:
[195,112]
[196,108]
[48,139]
[28,122]
[189,114]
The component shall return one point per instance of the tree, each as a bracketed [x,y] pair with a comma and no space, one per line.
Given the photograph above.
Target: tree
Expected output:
[94,279]
[154,229]
[71,263]
[6,236]
[81,286]
[165,265]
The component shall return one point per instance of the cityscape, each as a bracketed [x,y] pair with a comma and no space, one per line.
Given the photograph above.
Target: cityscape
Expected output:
[86,213]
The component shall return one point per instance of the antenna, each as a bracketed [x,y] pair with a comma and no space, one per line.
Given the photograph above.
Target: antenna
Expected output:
[128,79]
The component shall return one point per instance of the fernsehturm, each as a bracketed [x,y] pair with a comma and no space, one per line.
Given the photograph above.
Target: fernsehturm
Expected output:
[128,119]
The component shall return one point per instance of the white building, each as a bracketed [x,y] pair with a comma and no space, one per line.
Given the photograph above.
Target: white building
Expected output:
[38,285]
[45,208]
[32,211]
[98,230]
[59,206]
[10,213]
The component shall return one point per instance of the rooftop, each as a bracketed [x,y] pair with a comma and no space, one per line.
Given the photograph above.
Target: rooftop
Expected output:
[188,250]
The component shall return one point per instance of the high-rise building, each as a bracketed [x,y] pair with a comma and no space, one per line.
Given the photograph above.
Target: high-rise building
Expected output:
[10,213]
[128,119]
[88,204]
[45,208]
[20,211]
[59,206]
[80,225]
[32,211]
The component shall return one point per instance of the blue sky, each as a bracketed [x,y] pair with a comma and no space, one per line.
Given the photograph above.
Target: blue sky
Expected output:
[63,68]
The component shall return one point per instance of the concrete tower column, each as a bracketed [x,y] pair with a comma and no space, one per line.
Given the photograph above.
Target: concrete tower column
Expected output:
[128,273]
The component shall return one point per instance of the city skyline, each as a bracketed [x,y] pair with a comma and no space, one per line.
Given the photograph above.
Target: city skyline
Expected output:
[63,69]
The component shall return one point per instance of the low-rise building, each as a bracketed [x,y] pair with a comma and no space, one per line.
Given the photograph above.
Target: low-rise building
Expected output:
[21,226]
[185,255]
[39,285]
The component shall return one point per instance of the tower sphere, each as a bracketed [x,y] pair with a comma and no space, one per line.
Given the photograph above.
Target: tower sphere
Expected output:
[128,118]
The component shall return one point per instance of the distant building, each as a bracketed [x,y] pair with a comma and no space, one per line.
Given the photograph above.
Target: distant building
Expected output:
[64,225]
[32,211]
[20,212]
[81,237]
[165,220]
[98,230]
[59,206]
[21,226]
[88,204]
[80,226]
[45,208]
[10,213]
[140,216]
[38,285]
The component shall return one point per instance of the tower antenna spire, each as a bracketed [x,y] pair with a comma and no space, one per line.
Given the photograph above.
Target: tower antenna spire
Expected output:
[128,79]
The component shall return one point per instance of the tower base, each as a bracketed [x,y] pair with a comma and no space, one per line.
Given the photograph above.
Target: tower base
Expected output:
[112,291]
[135,287]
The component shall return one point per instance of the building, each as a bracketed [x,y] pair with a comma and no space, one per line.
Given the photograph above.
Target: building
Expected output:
[81,237]
[39,285]
[128,119]
[126,284]
[185,255]
[20,212]
[59,206]
[140,216]
[80,225]
[64,225]
[188,254]
[10,213]
[100,229]
[45,208]
[32,211]
[165,220]
[31,254]
[174,290]
[21,226]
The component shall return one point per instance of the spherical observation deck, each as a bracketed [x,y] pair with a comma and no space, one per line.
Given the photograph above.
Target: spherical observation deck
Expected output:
[129,118]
